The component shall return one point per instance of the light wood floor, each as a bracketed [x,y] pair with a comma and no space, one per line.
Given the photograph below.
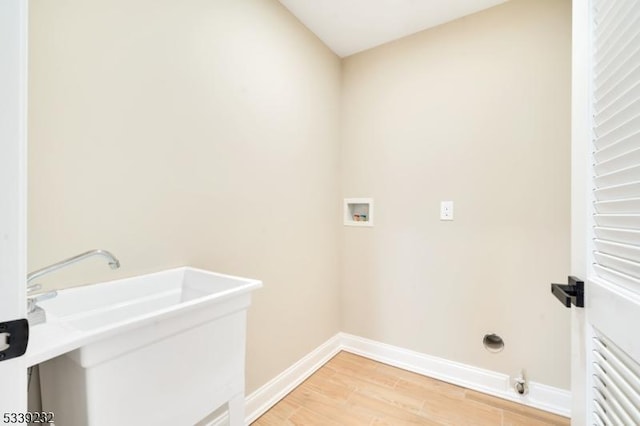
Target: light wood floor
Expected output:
[352,390]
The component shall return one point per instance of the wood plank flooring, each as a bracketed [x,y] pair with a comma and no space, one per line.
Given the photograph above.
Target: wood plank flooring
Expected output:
[352,390]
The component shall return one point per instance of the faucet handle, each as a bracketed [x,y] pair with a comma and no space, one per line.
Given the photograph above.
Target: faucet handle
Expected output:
[31,301]
[33,287]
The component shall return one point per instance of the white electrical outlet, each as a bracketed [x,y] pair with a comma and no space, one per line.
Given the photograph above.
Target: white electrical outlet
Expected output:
[446,210]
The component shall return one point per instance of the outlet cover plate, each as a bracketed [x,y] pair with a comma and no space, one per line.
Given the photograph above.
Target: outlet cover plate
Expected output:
[446,210]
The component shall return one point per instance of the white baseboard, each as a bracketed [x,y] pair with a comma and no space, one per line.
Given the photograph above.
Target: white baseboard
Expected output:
[266,396]
[540,396]
[259,401]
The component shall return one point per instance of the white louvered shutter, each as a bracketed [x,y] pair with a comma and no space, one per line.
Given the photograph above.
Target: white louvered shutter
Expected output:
[614,302]
[616,385]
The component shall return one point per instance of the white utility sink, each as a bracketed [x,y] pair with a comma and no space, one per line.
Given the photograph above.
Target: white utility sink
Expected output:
[166,348]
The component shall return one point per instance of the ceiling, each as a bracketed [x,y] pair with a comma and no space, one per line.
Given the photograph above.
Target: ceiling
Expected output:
[351,26]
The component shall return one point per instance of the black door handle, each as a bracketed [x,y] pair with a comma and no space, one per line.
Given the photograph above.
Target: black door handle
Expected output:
[16,335]
[568,294]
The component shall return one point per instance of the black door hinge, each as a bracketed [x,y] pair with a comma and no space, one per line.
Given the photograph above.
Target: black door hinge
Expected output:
[15,334]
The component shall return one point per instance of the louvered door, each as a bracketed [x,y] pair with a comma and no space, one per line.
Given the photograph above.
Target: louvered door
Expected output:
[613,287]
[616,384]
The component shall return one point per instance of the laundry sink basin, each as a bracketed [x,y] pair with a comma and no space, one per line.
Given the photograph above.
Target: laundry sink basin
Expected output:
[130,301]
[163,348]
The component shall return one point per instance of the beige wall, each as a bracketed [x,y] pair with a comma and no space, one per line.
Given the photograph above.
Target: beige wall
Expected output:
[197,132]
[476,111]
[207,133]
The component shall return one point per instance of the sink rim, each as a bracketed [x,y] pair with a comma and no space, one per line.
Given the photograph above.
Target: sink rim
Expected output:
[67,320]
[58,335]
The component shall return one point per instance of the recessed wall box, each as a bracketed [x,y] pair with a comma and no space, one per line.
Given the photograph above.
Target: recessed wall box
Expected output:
[358,211]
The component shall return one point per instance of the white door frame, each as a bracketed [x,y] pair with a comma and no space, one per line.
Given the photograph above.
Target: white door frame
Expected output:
[13,192]
[580,198]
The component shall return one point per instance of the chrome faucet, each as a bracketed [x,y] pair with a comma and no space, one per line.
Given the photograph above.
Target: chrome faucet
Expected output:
[35,313]
[114,263]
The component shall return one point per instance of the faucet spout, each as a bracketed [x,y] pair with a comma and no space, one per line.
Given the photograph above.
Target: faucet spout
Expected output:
[37,315]
[113,261]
